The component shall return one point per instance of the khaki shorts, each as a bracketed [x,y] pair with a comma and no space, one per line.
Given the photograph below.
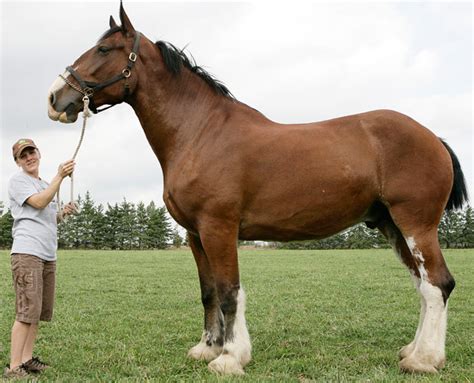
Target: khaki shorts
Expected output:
[34,281]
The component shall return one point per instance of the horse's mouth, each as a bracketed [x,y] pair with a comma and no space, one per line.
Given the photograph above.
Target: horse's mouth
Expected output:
[67,116]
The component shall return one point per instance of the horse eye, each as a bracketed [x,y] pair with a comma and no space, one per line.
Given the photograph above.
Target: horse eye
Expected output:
[103,49]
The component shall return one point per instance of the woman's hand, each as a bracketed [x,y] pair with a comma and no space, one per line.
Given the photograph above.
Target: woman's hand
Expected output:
[66,168]
[69,209]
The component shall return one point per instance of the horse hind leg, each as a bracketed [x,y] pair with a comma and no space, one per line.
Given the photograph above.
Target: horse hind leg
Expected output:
[434,286]
[419,251]
[399,246]
[212,339]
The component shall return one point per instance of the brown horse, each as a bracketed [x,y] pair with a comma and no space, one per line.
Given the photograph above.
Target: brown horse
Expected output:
[231,173]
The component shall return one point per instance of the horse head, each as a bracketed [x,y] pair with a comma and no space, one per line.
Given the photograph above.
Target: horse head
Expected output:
[105,73]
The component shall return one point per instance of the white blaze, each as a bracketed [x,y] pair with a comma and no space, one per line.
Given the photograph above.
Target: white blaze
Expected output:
[58,83]
[55,87]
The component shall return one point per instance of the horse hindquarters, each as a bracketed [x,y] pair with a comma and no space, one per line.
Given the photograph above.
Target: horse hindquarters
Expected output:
[223,300]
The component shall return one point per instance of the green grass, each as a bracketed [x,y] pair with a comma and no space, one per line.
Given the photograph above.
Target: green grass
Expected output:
[312,316]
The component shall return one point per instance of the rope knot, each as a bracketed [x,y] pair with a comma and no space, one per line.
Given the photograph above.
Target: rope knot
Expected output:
[86,111]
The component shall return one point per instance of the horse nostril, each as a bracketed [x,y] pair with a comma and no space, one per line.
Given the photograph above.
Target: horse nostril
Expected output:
[52,98]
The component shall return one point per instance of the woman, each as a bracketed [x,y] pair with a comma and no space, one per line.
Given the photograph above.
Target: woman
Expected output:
[33,253]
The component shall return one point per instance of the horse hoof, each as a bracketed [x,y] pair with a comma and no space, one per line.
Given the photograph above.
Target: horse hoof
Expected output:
[406,350]
[203,352]
[226,365]
[245,358]
[411,365]
[441,363]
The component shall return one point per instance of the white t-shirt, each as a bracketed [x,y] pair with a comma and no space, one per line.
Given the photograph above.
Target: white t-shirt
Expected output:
[34,230]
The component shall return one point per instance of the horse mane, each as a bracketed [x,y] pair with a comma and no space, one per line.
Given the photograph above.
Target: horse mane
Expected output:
[175,59]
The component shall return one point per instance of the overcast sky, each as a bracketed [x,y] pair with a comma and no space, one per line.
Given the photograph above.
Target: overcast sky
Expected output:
[294,62]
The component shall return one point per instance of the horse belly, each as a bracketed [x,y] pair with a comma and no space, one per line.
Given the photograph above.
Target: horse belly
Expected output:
[317,215]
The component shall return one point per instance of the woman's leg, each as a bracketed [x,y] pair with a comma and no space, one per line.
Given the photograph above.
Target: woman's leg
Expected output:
[29,343]
[20,332]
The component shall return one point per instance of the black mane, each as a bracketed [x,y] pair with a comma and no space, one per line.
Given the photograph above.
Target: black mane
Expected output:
[175,59]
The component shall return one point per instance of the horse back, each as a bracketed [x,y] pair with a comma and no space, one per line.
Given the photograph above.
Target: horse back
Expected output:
[286,182]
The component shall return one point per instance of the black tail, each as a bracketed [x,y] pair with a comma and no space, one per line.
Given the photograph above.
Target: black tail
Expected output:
[458,194]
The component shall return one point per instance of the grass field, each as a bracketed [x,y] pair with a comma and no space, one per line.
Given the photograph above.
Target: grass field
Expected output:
[312,316]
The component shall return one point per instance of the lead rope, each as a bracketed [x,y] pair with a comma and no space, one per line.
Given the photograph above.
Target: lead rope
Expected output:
[85,115]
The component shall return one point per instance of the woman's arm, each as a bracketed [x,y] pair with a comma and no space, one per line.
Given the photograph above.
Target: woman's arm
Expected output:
[42,199]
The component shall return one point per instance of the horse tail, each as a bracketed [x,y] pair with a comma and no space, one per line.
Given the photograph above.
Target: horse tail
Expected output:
[458,194]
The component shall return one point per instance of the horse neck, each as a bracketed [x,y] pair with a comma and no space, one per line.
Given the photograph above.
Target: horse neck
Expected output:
[175,110]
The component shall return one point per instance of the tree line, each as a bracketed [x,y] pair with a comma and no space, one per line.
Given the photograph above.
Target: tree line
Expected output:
[121,226]
[128,226]
[456,230]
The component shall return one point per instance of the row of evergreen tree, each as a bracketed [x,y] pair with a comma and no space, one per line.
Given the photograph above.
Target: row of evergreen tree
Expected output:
[122,226]
[127,226]
[456,230]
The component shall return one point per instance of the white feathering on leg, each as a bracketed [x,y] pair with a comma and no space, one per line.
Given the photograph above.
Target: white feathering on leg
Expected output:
[427,351]
[237,353]
[204,352]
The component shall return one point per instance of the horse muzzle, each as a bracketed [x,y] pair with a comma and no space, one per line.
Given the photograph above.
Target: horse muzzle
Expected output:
[63,103]
[69,115]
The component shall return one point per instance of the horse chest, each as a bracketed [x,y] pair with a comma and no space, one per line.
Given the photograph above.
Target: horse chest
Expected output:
[180,209]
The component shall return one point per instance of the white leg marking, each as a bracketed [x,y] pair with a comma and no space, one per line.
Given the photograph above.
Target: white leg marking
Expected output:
[237,353]
[418,256]
[427,352]
[417,283]
[433,333]
[408,349]
[204,352]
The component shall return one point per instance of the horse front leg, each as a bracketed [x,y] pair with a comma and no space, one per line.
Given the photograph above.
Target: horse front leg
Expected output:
[220,244]
[212,340]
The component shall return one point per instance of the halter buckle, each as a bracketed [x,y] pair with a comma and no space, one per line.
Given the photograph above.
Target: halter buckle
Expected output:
[88,92]
[132,57]
[126,73]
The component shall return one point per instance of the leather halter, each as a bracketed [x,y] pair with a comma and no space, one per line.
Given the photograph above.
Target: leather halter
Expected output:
[88,88]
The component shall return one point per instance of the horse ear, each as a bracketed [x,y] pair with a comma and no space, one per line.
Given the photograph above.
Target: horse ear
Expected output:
[127,26]
[112,23]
